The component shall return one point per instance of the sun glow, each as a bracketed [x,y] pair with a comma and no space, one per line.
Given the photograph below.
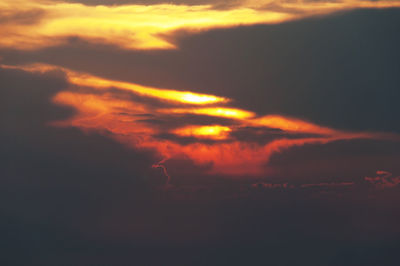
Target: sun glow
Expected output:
[216,132]
[232,113]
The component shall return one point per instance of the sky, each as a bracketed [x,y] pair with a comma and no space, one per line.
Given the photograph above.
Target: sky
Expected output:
[199,132]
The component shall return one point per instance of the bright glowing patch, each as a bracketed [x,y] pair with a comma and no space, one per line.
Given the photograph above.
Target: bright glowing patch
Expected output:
[127,26]
[86,80]
[163,94]
[232,113]
[212,132]
[146,26]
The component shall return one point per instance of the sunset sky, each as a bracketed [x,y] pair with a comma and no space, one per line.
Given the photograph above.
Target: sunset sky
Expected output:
[200,132]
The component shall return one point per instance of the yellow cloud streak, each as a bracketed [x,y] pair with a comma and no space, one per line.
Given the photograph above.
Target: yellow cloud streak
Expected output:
[225,112]
[128,26]
[145,26]
[216,132]
[86,80]
[162,94]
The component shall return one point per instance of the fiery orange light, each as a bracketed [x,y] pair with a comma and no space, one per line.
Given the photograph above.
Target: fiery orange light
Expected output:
[106,112]
[234,158]
[102,112]
[213,111]
[213,132]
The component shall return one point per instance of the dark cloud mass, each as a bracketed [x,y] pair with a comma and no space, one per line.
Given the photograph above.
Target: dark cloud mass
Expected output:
[353,160]
[55,180]
[73,197]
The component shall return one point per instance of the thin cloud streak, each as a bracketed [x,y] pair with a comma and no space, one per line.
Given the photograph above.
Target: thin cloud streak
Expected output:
[383,180]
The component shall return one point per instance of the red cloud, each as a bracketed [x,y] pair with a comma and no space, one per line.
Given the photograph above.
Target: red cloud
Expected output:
[383,180]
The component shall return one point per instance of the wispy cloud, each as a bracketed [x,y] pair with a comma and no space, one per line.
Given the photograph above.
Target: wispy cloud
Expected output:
[383,179]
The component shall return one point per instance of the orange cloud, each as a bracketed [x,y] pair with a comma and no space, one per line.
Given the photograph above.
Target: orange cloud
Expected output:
[127,26]
[146,26]
[103,110]
[290,124]
[213,132]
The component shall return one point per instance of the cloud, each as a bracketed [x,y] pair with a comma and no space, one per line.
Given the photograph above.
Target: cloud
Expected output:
[251,66]
[147,27]
[120,118]
[383,180]
[269,185]
[214,3]
[71,197]
[128,26]
[319,185]
[60,172]
[274,148]
[226,4]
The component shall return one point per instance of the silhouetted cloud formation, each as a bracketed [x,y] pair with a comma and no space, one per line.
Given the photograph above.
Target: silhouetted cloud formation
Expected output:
[69,197]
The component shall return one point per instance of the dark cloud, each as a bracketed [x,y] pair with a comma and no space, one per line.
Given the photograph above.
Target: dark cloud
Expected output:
[55,180]
[245,135]
[37,153]
[171,121]
[262,135]
[72,198]
[340,161]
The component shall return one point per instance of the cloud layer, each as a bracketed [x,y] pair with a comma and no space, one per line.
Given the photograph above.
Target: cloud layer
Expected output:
[103,107]
[47,23]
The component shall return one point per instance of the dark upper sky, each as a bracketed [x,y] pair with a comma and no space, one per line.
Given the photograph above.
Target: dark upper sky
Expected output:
[240,133]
